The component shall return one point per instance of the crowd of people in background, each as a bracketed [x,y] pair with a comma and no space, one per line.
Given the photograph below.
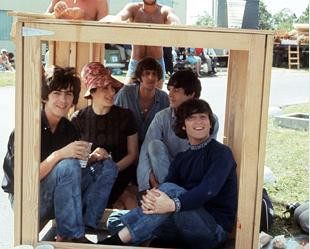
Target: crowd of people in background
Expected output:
[7,62]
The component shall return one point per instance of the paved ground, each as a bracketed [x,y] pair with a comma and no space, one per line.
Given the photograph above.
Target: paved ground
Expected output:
[287,87]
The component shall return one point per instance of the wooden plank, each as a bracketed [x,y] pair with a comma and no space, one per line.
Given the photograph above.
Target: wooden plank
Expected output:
[31,139]
[83,57]
[137,25]
[18,149]
[244,139]
[246,106]
[73,51]
[168,36]
[263,132]
[51,52]
[58,245]
[32,15]
[62,50]
[96,52]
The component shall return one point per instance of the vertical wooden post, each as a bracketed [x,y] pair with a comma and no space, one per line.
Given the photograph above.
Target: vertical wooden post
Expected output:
[62,54]
[243,129]
[31,140]
[18,143]
[263,130]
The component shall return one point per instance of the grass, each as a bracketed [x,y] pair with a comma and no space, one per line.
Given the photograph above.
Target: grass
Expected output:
[287,153]
[7,79]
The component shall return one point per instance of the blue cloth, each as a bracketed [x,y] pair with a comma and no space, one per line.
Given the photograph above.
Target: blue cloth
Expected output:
[196,228]
[209,175]
[76,198]
[160,147]
[133,65]
[204,180]
[128,97]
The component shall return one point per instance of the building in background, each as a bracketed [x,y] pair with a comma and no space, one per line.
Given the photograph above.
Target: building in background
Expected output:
[236,13]
[39,6]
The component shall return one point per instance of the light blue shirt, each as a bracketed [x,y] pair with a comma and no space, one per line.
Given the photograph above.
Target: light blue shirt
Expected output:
[128,97]
[161,129]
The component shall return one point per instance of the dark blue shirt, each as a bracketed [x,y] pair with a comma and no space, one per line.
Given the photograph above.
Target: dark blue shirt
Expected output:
[209,175]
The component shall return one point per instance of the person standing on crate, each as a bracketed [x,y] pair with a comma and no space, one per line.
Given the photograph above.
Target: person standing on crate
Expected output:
[67,192]
[79,9]
[147,11]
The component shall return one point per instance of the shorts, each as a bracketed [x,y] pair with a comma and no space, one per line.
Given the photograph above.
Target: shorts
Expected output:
[193,60]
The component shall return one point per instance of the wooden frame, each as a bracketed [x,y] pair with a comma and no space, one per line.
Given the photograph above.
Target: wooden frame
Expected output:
[247,102]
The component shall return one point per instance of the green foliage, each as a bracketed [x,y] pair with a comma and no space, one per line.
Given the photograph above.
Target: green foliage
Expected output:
[205,19]
[265,20]
[284,19]
[304,18]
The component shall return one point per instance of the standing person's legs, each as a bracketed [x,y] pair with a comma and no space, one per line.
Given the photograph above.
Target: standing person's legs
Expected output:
[161,61]
[97,182]
[209,63]
[131,71]
[60,197]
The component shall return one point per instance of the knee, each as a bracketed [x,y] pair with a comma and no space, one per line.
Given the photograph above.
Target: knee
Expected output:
[171,189]
[156,147]
[68,167]
[110,167]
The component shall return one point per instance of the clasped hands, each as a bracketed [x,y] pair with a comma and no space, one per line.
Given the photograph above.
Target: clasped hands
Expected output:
[61,10]
[157,202]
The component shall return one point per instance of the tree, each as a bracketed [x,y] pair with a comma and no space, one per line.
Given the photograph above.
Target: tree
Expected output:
[265,20]
[205,19]
[284,19]
[304,18]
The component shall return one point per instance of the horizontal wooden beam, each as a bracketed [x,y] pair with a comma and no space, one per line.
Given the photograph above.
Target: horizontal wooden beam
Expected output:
[150,35]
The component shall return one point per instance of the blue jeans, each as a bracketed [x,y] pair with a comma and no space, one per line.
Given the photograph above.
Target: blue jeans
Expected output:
[133,65]
[197,228]
[76,197]
[159,162]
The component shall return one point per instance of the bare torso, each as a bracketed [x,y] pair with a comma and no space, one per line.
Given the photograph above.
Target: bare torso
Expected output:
[139,15]
[94,9]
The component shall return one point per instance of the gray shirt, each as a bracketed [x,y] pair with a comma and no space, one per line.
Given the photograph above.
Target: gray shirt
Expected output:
[161,129]
[128,97]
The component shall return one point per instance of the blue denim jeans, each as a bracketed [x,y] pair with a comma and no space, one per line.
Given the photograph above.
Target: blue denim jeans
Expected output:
[196,228]
[76,197]
[159,160]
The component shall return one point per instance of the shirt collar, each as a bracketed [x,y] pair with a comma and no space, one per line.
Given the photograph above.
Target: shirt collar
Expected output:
[46,126]
[202,145]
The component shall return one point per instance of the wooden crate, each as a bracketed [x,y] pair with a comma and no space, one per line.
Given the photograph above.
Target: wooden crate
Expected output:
[249,73]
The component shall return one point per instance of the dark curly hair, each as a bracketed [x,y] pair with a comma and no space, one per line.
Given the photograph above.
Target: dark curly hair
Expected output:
[188,108]
[187,80]
[58,78]
[148,63]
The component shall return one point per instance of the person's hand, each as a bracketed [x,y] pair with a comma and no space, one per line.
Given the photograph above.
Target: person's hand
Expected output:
[157,202]
[59,9]
[153,181]
[77,149]
[74,13]
[99,154]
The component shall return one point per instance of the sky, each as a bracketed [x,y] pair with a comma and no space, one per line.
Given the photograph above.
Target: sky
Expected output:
[197,7]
